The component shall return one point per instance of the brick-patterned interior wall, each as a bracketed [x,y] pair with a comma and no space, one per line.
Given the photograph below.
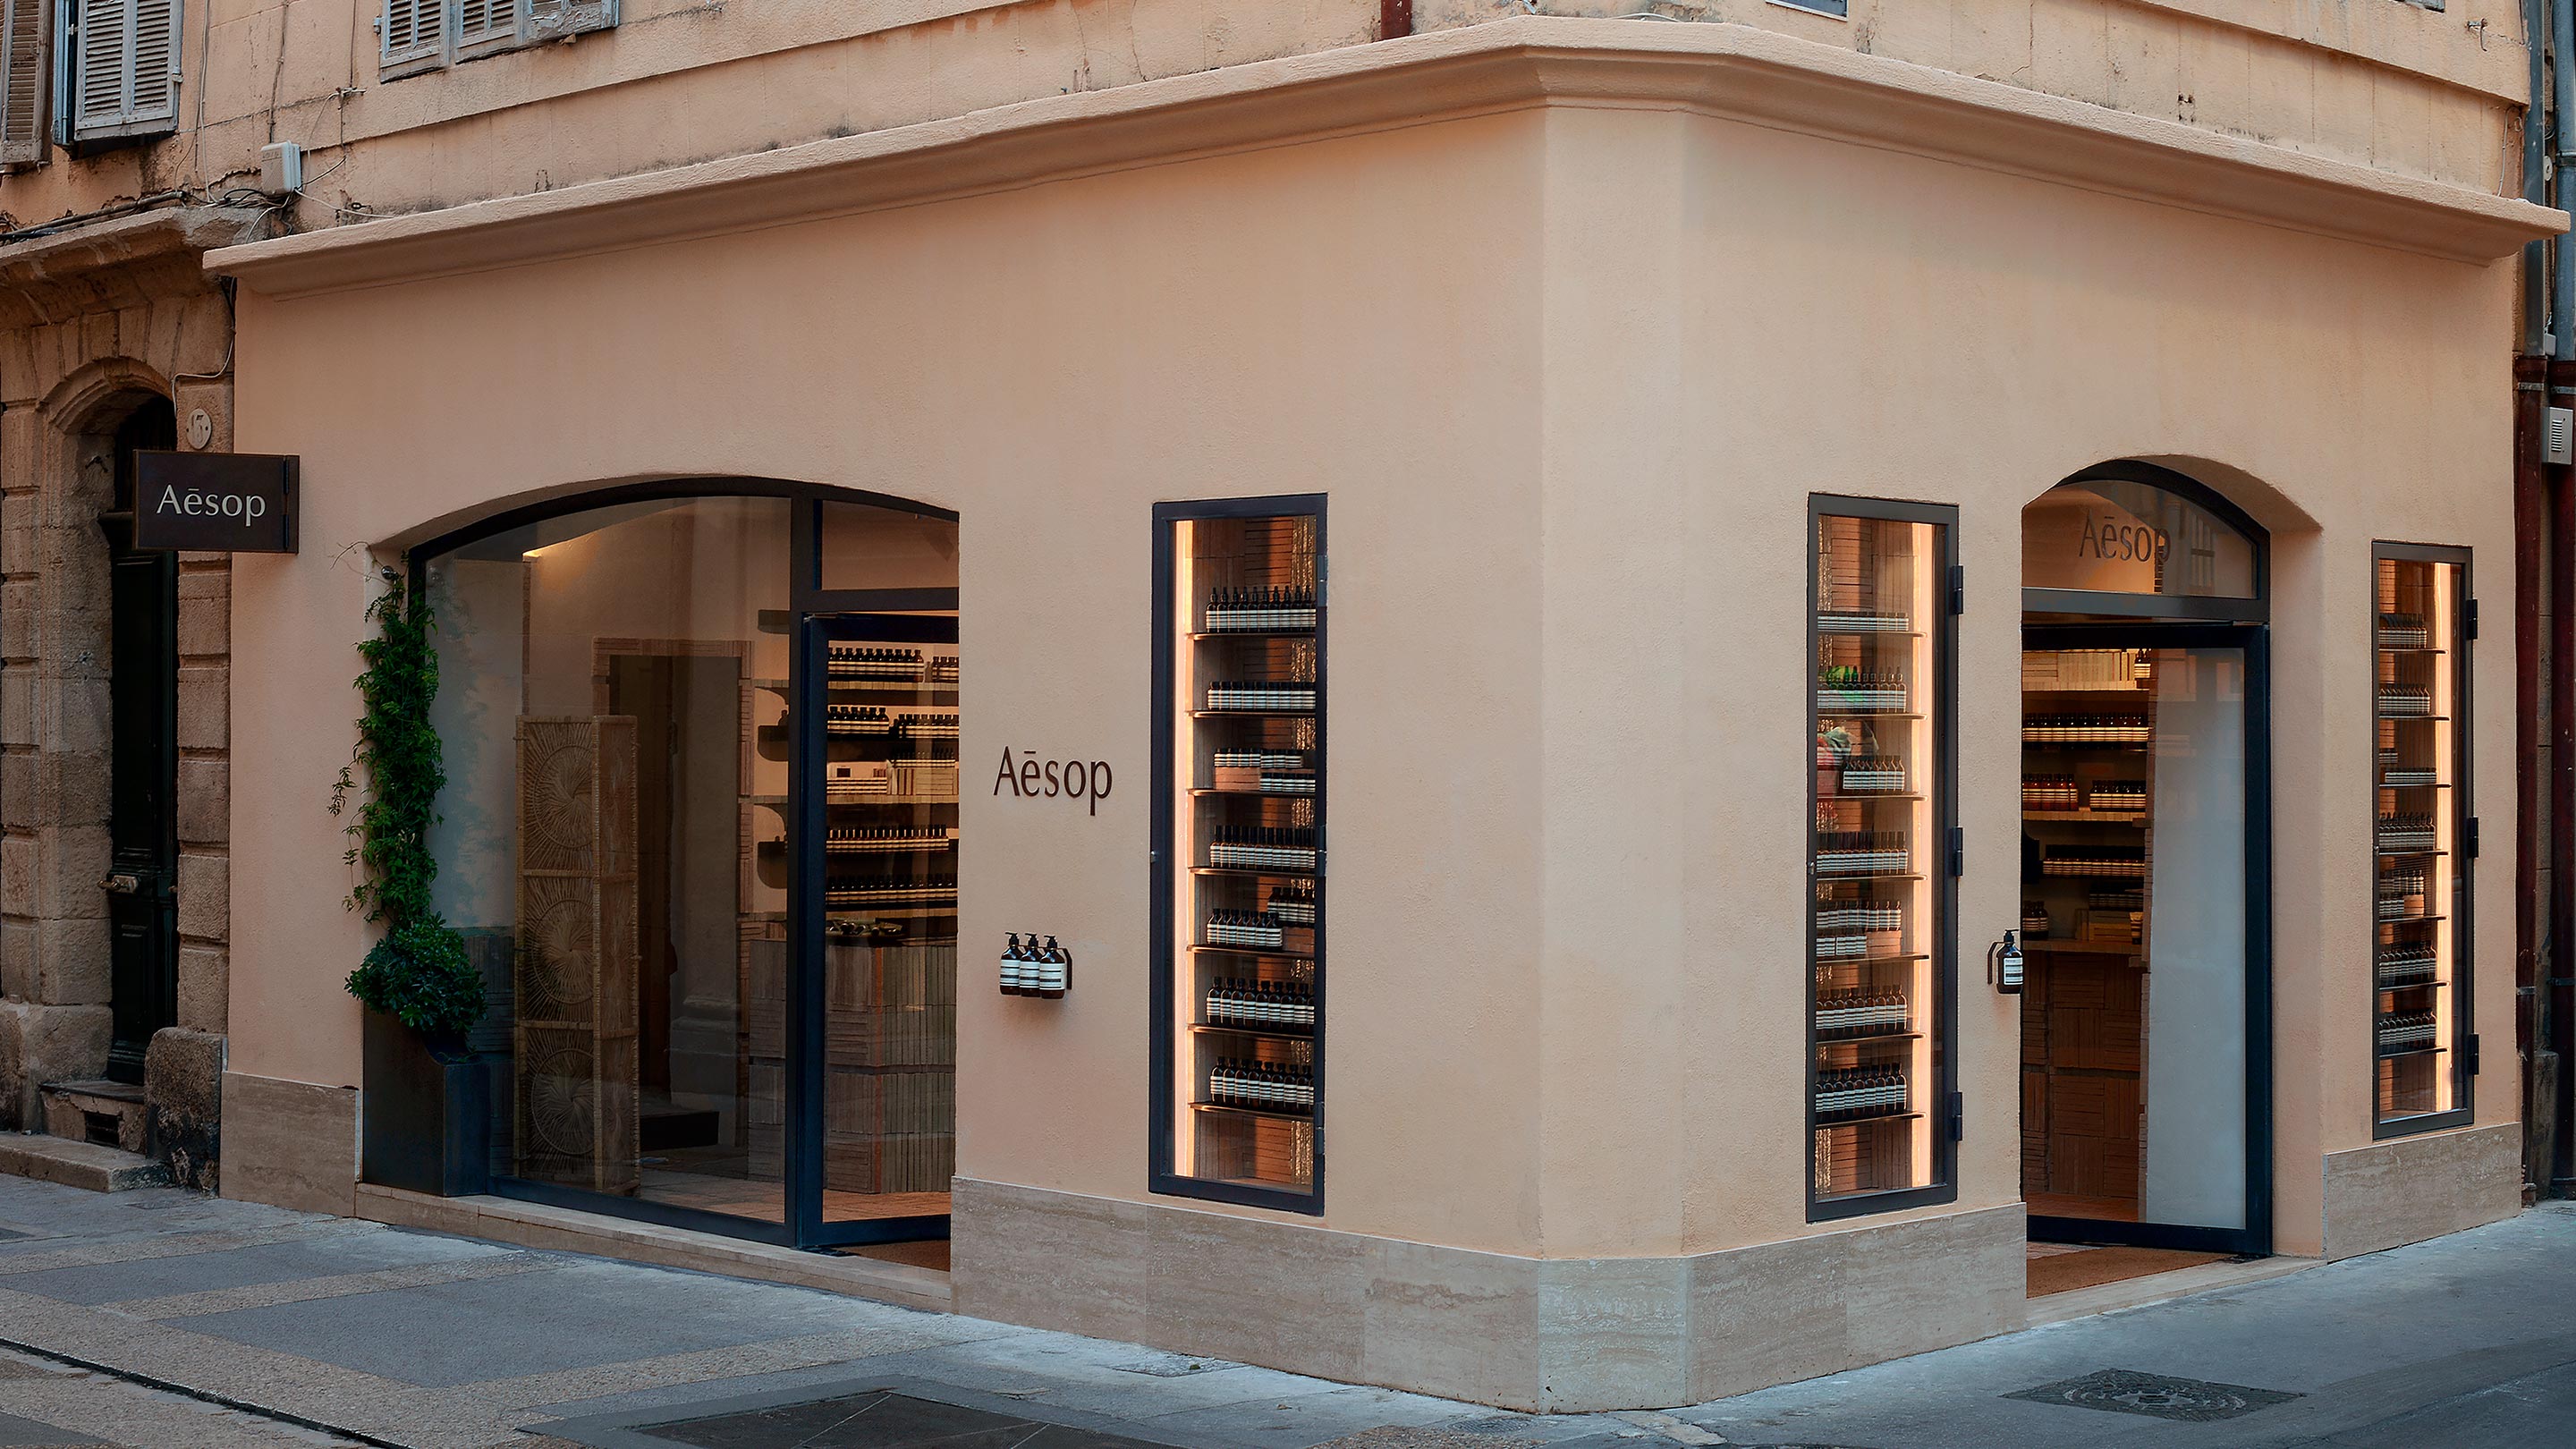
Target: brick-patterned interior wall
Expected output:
[78,350]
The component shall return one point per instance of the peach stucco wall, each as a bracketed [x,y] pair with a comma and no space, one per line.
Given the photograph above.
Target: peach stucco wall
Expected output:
[1568,376]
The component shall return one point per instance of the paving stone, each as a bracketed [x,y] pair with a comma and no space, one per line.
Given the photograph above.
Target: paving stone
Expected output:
[592,1313]
[16,1432]
[260,1264]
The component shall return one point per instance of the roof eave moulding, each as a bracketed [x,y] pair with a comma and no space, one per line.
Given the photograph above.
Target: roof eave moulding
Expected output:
[1730,71]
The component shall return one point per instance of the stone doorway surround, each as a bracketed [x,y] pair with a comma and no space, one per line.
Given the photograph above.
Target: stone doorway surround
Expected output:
[93,319]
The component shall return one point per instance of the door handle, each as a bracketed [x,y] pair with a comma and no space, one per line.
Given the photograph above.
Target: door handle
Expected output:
[121,883]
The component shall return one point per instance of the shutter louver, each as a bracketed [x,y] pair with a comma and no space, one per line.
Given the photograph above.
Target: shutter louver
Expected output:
[413,30]
[125,67]
[103,42]
[154,72]
[481,22]
[25,69]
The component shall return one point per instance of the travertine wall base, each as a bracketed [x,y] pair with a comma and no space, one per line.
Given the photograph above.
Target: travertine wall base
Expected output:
[2408,1189]
[1549,1335]
[291,1144]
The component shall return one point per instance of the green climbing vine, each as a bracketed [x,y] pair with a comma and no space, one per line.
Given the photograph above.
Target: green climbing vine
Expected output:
[419,971]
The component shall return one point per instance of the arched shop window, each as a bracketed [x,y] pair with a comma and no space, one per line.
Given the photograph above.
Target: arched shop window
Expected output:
[2172,547]
[658,708]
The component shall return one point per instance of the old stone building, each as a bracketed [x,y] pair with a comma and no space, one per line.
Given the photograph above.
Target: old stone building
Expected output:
[114,701]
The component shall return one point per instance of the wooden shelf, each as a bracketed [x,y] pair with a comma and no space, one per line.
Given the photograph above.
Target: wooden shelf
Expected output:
[1303,633]
[1869,1119]
[1862,1038]
[1872,960]
[2083,948]
[1270,1114]
[1244,872]
[1274,1032]
[2137,818]
[1841,875]
[2426,984]
[1251,951]
[1252,714]
[1201,792]
[1866,796]
[2406,854]
[2391,1053]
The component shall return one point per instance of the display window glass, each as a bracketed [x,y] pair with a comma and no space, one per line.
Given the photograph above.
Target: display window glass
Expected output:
[651,720]
[2121,536]
[2421,838]
[1880,1112]
[1239,854]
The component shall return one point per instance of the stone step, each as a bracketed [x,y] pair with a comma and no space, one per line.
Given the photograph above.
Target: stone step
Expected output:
[107,1113]
[78,1164]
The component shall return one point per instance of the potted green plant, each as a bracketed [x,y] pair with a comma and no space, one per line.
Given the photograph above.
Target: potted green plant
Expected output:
[426,1115]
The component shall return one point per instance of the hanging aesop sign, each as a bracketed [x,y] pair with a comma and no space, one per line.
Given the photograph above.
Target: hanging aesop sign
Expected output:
[214,502]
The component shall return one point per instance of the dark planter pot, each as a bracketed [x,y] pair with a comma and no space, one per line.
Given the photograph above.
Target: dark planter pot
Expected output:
[427,1113]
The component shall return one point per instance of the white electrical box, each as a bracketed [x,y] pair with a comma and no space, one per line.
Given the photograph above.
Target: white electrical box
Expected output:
[281,168]
[2558,436]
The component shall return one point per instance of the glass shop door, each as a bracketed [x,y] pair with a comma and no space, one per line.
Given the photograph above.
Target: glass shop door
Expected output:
[872,1014]
[2145,910]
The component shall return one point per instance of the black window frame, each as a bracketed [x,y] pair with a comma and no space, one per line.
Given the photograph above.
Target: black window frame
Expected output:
[803,1224]
[2463,967]
[1162,1180]
[1942,1101]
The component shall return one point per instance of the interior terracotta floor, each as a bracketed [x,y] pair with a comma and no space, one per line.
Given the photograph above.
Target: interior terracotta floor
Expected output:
[918,1255]
[2065,1267]
[766,1201]
[2066,1205]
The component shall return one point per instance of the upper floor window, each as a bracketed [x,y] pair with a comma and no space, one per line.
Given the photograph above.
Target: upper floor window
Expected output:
[419,35]
[79,72]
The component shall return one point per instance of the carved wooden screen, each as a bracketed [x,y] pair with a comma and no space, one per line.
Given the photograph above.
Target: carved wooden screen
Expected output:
[576,975]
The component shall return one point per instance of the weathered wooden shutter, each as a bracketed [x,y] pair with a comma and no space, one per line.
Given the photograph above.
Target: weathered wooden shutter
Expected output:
[483,22]
[554,19]
[413,30]
[125,67]
[26,67]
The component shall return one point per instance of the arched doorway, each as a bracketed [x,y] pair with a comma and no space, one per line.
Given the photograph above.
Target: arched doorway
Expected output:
[700,833]
[2146,1066]
[143,766]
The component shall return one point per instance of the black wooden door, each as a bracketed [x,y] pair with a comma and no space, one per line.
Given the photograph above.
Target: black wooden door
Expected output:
[143,812]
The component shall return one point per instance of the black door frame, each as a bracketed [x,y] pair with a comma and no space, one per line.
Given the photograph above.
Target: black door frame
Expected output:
[2254,639]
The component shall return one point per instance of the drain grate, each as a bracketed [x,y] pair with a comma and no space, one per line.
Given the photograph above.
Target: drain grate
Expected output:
[2158,1396]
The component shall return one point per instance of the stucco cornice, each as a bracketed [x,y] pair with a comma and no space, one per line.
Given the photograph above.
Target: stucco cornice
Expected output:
[1736,72]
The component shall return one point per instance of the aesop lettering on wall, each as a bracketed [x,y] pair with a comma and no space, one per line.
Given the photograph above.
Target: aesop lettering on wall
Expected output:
[1030,778]
[214,502]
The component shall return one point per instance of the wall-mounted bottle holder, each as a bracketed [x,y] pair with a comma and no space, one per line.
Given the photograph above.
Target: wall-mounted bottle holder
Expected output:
[1029,969]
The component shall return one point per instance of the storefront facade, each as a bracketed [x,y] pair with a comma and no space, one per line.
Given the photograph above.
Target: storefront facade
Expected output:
[1618,453]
